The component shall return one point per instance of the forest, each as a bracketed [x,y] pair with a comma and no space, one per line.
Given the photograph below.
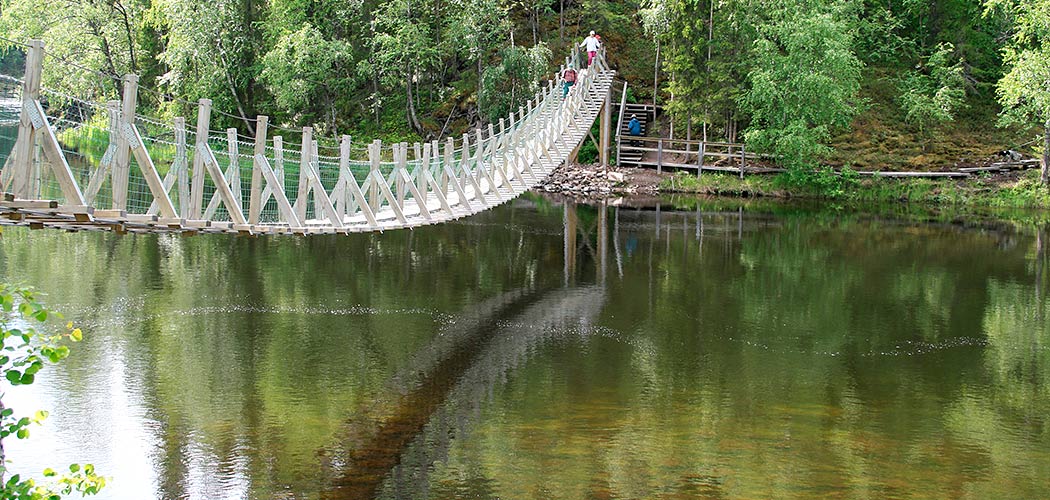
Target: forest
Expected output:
[807,81]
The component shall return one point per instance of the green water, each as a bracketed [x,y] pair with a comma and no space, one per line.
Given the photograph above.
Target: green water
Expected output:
[549,351]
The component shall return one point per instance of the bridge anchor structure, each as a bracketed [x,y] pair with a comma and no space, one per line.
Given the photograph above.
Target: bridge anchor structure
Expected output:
[52,178]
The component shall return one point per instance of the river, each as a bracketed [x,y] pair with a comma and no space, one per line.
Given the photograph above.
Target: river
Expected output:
[552,350]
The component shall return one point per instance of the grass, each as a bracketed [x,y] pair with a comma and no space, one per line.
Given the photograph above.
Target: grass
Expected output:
[1015,190]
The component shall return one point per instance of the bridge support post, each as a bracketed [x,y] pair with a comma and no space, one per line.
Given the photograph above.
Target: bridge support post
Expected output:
[197,185]
[182,177]
[19,171]
[234,168]
[375,153]
[606,126]
[122,162]
[305,154]
[255,198]
[344,202]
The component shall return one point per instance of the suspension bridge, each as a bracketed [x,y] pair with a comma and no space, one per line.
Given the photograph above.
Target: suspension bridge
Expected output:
[79,165]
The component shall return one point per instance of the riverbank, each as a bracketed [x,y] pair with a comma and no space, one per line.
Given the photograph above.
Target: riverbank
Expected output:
[1013,189]
[999,190]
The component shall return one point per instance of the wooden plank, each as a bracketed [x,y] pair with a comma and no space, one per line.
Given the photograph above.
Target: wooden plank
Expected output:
[140,218]
[400,163]
[278,170]
[199,223]
[341,194]
[917,174]
[435,188]
[606,128]
[110,214]
[375,153]
[362,202]
[169,181]
[233,170]
[421,201]
[30,204]
[17,178]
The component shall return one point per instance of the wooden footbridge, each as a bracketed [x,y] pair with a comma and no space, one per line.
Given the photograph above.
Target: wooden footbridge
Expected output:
[48,183]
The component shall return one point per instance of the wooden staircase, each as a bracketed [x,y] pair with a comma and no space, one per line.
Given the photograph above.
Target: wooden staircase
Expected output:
[646,114]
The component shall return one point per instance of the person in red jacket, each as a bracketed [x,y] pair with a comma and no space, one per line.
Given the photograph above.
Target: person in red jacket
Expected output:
[569,79]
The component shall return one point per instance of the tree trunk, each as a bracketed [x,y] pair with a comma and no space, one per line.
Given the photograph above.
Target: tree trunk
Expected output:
[375,92]
[413,120]
[656,74]
[233,91]
[707,68]
[561,23]
[535,25]
[1046,154]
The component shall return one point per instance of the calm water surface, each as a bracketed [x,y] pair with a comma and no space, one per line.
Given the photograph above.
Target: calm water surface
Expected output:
[552,351]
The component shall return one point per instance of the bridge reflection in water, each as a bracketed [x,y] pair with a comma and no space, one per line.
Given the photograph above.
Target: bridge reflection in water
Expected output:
[552,350]
[390,446]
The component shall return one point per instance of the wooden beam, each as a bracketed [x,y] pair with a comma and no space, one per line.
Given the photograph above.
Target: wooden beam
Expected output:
[283,205]
[384,189]
[222,187]
[149,172]
[59,166]
[321,199]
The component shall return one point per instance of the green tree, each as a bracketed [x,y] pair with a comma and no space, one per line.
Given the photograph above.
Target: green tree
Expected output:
[211,52]
[805,80]
[507,85]
[931,94]
[25,351]
[98,34]
[1024,91]
[306,74]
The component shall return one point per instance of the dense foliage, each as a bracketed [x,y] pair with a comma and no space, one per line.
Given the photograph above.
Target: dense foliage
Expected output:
[786,76]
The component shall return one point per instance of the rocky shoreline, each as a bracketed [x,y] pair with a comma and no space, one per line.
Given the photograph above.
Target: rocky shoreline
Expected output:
[594,182]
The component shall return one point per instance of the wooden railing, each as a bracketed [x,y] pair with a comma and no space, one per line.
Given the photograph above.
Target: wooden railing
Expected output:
[685,154]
